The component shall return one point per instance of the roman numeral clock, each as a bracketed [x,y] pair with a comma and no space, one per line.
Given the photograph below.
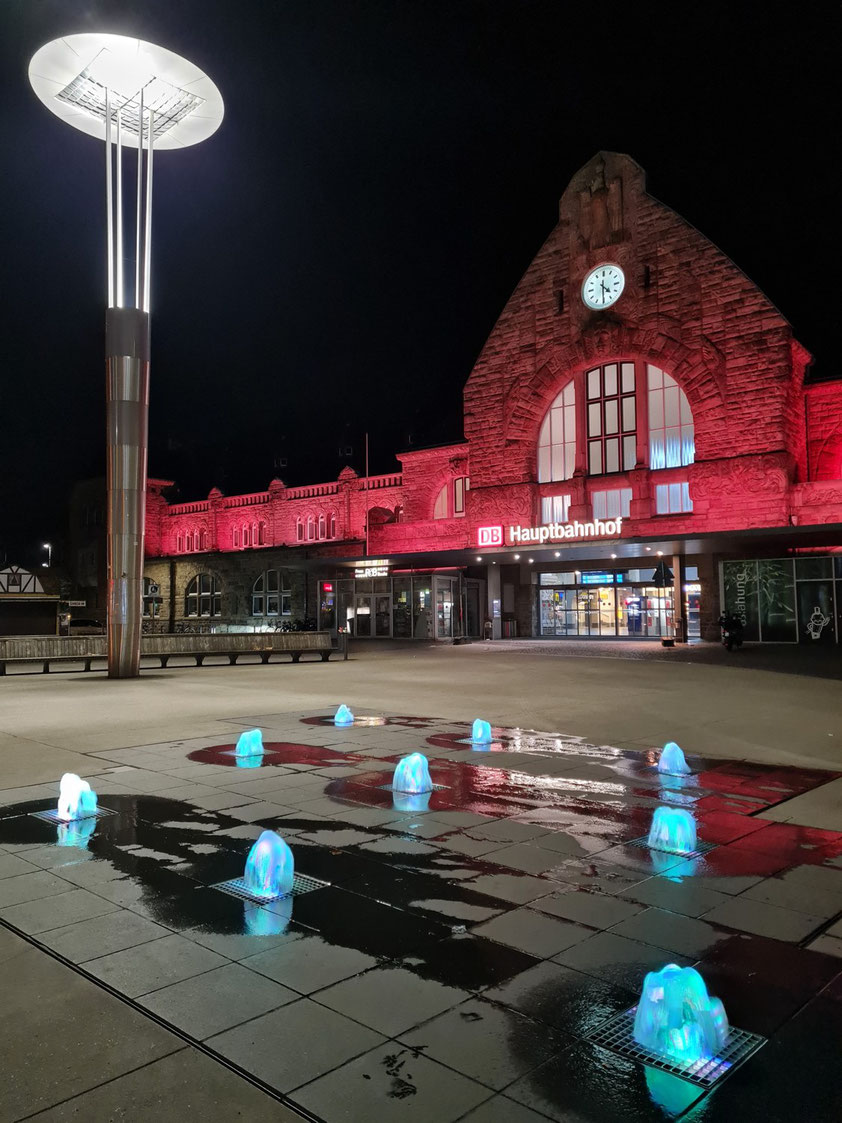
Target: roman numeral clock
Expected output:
[603,286]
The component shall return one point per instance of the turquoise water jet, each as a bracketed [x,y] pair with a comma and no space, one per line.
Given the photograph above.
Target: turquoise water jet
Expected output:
[677,1019]
[343,716]
[248,761]
[250,743]
[270,867]
[412,774]
[671,761]
[481,732]
[75,799]
[674,830]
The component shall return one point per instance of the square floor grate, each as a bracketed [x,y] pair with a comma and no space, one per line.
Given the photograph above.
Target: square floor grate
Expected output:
[617,1035]
[701,848]
[435,788]
[51,816]
[236,887]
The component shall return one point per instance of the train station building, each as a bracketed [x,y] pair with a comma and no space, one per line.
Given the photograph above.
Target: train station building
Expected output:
[643,447]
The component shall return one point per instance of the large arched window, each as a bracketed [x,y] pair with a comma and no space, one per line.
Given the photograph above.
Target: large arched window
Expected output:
[271,594]
[671,437]
[557,439]
[203,596]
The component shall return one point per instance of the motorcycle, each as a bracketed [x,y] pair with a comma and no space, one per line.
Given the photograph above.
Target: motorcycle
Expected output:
[731,628]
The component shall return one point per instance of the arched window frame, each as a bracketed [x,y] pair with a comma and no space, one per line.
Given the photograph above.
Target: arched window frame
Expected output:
[203,596]
[672,437]
[322,529]
[271,594]
[557,437]
[311,528]
[261,534]
[299,529]
[332,525]
[179,543]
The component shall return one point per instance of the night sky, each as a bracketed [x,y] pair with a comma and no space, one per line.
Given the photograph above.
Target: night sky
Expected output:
[332,260]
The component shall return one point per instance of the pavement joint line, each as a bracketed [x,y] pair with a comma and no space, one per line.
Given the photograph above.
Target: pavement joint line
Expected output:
[189,1041]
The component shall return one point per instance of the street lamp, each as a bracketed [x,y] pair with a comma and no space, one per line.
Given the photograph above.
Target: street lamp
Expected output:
[49,548]
[127,91]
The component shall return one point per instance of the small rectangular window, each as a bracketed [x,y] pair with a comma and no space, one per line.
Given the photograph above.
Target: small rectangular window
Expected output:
[612,504]
[272,606]
[554,508]
[459,496]
[593,383]
[673,499]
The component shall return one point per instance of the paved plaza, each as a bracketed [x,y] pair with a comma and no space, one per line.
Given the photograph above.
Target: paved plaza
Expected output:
[463,956]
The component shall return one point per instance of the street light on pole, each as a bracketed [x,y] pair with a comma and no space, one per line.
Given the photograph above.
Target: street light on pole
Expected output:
[49,548]
[124,90]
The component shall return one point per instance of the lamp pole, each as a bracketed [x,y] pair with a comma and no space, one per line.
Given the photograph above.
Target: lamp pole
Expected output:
[49,548]
[130,94]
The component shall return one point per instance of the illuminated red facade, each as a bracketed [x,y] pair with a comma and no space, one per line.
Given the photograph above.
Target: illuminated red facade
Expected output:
[680,406]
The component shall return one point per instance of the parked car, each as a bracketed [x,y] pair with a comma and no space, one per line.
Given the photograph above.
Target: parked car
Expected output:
[81,627]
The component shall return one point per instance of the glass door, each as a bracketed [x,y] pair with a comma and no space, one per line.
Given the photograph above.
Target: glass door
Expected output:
[382,615]
[362,620]
[444,608]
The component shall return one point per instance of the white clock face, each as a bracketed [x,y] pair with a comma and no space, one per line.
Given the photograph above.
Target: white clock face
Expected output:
[603,286]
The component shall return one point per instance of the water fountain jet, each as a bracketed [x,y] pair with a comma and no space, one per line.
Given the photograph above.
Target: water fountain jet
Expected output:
[673,830]
[412,775]
[343,716]
[249,744]
[480,732]
[671,761]
[270,867]
[677,1019]
[75,799]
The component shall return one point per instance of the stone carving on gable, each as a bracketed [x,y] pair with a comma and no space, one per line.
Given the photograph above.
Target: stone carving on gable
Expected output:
[601,209]
[716,479]
[493,505]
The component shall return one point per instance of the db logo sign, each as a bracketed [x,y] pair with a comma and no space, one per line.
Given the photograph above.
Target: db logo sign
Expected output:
[490,536]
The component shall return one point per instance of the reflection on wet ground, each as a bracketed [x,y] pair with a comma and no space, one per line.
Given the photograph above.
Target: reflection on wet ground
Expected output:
[469,941]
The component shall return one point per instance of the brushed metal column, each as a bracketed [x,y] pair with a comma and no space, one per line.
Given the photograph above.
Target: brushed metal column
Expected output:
[127,427]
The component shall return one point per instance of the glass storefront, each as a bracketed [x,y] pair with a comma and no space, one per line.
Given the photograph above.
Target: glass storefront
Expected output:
[785,600]
[615,603]
[417,607]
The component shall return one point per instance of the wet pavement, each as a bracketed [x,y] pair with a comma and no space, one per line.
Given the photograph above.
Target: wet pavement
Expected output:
[469,941]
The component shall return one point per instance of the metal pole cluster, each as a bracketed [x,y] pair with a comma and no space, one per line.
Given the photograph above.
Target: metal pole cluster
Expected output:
[127,394]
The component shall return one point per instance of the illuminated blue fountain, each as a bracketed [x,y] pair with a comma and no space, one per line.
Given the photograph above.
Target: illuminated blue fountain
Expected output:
[674,830]
[250,744]
[75,799]
[677,1019]
[480,732]
[343,716]
[412,775]
[671,761]
[270,867]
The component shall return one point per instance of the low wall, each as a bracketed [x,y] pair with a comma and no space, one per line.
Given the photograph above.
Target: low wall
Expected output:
[57,647]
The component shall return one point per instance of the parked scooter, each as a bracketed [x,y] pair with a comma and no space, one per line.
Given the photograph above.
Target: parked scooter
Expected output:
[732,630]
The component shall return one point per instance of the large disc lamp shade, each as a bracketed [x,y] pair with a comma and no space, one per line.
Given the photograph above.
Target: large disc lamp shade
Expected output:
[130,94]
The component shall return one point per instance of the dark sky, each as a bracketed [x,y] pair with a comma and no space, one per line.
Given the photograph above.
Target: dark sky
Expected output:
[333,258]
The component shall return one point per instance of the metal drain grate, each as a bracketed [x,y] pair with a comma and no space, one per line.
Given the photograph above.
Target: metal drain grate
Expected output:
[236,887]
[435,788]
[51,816]
[701,848]
[616,1035]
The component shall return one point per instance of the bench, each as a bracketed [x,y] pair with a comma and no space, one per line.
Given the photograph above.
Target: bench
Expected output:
[63,649]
